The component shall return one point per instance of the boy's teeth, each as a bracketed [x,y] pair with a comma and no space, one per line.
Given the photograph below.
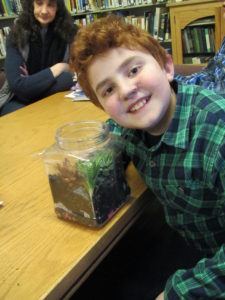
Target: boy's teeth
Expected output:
[138,105]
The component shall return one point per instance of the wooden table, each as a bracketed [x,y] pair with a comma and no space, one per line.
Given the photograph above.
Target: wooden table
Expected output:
[41,256]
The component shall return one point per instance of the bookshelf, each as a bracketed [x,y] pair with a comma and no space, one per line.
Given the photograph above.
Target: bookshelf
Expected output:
[186,15]
[5,23]
[147,15]
[9,9]
[151,15]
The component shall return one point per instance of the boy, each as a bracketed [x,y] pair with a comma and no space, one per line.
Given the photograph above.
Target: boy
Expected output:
[174,134]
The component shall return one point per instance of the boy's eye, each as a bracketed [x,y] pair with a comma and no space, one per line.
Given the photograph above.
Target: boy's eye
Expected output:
[108,91]
[134,71]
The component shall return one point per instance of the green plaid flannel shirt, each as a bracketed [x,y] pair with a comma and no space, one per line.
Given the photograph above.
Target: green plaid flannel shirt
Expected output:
[186,171]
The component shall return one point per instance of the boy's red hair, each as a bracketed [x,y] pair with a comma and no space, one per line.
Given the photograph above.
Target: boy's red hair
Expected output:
[102,35]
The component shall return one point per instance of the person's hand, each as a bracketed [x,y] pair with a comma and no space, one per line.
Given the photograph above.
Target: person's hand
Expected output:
[24,71]
[160,296]
[59,68]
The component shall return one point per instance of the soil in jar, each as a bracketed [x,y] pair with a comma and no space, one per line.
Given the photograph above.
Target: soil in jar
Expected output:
[109,193]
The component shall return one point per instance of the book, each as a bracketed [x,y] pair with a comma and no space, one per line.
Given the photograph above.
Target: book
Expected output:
[13,6]
[134,21]
[159,16]
[190,39]
[18,6]
[141,22]
[4,8]
[68,6]
[2,44]
[200,38]
[202,29]
[167,28]
[208,46]
[129,18]
[162,25]
[149,21]
[2,12]
[185,42]
[212,38]
[8,7]
[92,5]
[156,22]
[196,60]
[196,40]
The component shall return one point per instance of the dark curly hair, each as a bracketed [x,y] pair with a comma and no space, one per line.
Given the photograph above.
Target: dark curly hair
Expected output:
[27,24]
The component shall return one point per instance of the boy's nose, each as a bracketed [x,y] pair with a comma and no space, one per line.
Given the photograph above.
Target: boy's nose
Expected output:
[127,90]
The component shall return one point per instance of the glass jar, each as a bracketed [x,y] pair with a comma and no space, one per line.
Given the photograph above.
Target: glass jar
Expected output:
[86,174]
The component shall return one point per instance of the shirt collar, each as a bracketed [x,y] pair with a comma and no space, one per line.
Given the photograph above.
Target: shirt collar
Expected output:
[177,134]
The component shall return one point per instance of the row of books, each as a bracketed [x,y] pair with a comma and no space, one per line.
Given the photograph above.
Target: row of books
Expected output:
[156,22]
[10,7]
[199,39]
[79,6]
[3,33]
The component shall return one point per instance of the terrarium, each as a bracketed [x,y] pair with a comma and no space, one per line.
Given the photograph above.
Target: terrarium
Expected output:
[86,173]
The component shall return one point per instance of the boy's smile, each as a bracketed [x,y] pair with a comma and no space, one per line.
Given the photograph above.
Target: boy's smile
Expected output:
[133,89]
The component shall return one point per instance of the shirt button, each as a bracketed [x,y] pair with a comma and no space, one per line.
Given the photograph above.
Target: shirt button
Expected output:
[180,189]
[152,163]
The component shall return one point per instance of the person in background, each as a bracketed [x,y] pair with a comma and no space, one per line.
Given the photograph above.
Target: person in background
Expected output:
[174,134]
[37,56]
[210,77]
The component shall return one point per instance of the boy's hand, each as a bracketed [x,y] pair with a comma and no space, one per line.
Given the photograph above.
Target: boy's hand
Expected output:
[160,296]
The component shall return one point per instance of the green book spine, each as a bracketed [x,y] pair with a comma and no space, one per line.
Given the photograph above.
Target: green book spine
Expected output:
[196,40]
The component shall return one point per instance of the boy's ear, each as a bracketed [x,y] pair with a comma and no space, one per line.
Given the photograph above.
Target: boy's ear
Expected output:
[169,68]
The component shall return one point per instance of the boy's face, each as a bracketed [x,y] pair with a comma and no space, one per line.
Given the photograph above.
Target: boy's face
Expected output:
[133,89]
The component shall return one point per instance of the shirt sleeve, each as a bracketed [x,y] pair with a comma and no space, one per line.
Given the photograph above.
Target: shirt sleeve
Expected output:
[36,86]
[198,78]
[205,281]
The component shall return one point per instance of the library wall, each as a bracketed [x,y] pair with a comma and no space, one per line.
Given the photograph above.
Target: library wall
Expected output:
[150,15]
[190,30]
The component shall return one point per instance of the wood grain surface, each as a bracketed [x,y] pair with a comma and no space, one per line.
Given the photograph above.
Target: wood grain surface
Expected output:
[41,256]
